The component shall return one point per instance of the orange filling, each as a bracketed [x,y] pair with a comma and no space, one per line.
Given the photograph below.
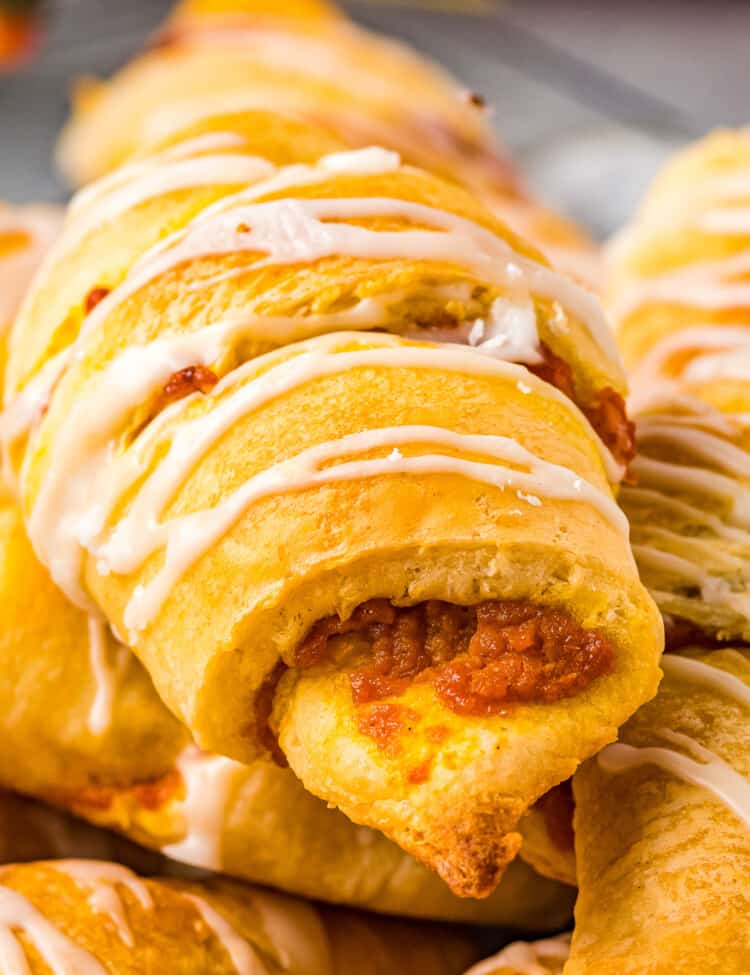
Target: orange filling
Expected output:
[606,412]
[192,379]
[480,659]
[95,297]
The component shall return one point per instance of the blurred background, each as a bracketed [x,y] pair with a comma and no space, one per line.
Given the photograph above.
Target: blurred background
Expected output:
[590,96]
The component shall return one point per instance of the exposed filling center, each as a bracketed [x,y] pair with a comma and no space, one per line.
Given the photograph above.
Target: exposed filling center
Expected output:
[479,659]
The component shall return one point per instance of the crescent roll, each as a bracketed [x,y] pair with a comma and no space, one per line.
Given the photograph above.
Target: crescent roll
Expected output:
[95,917]
[663,830]
[301,546]
[109,751]
[307,59]
[677,292]
[662,817]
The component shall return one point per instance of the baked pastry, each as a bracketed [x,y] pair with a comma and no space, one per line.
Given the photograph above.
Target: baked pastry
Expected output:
[662,838]
[308,59]
[677,294]
[545,957]
[97,917]
[281,581]
[662,817]
[109,751]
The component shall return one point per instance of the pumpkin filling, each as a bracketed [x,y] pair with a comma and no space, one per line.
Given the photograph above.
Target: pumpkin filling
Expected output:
[479,659]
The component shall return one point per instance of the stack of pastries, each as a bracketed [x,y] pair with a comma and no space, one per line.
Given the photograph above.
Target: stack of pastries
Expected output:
[334,558]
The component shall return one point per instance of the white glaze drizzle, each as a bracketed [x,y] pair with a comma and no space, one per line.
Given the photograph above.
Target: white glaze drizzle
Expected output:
[168,354]
[713,589]
[545,957]
[704,433]
[698,354]
[678,477]
[25,409]
[63,956]
[72,508]
[452,238]
[730,221]
[705,769]
[652,499]
[713,678]
[184,149]
[715,203]
[294,928]
[41,224]
[704,446]
[694,205]
[691,201]
[185,538]
[155,181]
[99,878]
[291,230]
[208,782]
[729,364]
[705,284]
[673,493]
[578,258]
[244,957]
[108,663]
[113,194]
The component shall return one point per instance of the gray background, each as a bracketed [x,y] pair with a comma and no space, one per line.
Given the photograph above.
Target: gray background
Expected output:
[589,95]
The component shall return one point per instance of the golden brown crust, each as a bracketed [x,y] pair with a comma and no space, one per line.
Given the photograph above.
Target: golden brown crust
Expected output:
[662,855]
[267,828]
[100,917]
